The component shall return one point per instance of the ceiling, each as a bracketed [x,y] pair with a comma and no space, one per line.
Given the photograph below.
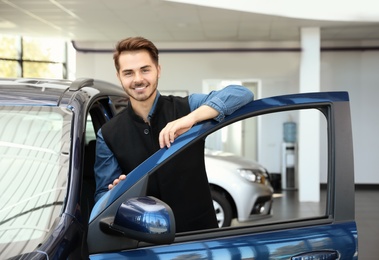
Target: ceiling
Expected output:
[158,20]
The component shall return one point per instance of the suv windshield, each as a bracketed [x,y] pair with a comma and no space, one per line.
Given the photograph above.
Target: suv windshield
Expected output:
[34,158]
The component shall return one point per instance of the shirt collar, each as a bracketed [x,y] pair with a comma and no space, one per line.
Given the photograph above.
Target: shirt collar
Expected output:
[154,106]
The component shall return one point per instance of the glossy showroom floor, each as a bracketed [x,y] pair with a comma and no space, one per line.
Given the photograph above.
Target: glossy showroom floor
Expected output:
[367,217]
[286,206]
[366,214]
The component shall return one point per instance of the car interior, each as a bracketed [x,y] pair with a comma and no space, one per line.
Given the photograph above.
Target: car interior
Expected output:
[98,115]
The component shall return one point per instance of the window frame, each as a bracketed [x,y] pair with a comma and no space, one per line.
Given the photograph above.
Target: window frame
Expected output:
[21,61]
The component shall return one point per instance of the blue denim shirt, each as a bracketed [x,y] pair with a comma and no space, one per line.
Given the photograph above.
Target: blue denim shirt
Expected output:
[225,101]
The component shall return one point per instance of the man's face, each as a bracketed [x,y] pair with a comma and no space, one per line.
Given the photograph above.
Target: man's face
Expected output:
[138,75]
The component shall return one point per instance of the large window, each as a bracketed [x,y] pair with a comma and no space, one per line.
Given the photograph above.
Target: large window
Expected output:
[32,57]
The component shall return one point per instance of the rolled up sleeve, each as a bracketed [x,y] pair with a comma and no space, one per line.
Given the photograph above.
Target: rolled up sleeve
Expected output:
[225,101]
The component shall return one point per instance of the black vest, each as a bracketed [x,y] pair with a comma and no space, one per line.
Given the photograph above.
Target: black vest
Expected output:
[182,183]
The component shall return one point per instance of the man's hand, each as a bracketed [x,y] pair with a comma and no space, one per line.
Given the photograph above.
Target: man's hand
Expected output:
[116,181]
[178,127]
[173,129]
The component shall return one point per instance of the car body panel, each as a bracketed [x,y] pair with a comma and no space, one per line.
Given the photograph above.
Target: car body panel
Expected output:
[32,94]
[265,245]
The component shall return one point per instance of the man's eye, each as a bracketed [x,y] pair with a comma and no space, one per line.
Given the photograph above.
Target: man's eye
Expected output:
[145,70]
[127,74]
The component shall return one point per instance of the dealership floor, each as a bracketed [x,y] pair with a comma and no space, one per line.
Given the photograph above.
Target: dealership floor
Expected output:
[367,217]
[286,206]
[366,214]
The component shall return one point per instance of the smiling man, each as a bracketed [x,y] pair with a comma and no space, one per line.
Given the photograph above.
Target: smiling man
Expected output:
[153,121]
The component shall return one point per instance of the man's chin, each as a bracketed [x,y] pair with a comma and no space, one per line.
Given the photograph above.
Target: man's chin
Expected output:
[141,98]
[143,95]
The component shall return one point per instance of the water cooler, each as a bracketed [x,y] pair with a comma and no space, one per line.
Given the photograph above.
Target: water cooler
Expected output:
[289,156]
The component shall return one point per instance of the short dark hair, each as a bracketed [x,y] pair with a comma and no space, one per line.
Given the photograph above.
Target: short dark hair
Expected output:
[135,44]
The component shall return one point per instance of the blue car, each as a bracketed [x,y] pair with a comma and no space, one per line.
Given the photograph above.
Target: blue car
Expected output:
[47,210]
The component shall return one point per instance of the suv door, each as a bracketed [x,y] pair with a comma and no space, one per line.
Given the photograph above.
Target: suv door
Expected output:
[327,231]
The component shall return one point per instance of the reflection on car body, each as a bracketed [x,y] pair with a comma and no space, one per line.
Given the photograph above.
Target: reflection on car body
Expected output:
[49,213]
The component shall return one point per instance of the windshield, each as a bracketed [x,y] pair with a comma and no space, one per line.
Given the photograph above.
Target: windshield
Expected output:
[34,158]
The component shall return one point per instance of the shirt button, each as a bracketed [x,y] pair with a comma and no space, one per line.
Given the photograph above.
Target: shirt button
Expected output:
[146,131]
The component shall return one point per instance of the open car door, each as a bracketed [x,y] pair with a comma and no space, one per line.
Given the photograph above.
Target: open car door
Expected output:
[123,223]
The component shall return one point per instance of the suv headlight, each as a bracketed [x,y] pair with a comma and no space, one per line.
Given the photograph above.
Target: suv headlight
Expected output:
[252,176]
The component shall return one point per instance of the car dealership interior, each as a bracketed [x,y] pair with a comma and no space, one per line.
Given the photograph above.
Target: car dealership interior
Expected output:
[271,47]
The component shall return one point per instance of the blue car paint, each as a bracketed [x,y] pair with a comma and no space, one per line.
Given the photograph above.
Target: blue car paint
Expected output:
[266,245]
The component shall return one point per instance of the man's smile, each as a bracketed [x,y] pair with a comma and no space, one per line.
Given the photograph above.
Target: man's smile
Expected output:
[140,87]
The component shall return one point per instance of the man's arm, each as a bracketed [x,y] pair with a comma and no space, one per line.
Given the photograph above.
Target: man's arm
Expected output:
[215,105]
[106,167]
[225,101]
[177,127]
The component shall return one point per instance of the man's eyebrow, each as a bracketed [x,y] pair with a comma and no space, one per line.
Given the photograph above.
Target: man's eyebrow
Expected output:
[143,67]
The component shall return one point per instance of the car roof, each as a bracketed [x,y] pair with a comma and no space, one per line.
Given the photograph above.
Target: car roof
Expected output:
[32,91]
[48,92]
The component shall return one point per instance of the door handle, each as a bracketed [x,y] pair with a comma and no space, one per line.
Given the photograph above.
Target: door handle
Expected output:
[317,255]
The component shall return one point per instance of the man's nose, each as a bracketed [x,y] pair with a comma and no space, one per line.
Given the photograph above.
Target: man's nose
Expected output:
[138,77]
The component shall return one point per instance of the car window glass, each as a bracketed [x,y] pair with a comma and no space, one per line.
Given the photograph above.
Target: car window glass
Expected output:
[252,167]
[250,157]
[34,158]
[90,130]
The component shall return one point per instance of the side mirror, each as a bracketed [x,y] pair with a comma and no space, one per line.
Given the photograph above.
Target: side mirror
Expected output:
[145,219]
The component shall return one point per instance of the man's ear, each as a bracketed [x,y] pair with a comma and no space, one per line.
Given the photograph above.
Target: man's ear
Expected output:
[159,70]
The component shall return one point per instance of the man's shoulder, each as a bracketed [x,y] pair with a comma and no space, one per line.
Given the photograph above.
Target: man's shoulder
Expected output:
[116,118]
[174,99]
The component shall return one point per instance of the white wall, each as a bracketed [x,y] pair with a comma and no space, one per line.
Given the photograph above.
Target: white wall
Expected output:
[96,65]
[356,72]
[187,70]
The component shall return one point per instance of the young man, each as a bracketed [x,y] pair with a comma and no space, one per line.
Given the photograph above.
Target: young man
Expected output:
[152,121]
